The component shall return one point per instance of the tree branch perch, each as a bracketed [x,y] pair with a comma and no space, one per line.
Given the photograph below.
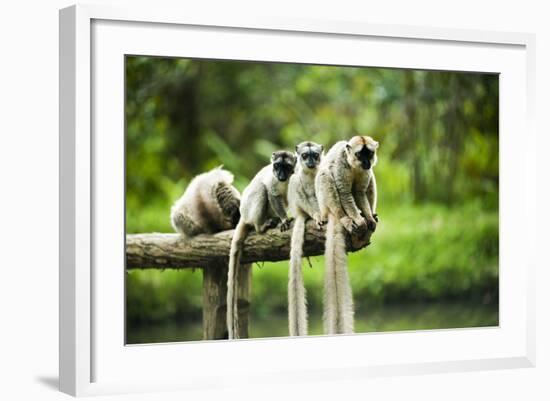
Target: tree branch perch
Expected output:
[174,251]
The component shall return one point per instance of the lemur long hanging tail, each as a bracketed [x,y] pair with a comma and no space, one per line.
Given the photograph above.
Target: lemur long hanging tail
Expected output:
[338,301]
[297,307]
[232,280]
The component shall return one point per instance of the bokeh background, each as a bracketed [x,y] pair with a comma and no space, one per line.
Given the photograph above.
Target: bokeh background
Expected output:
[433,261]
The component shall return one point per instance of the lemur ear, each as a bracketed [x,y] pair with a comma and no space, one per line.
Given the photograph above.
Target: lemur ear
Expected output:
[348,146]
[376,144]
[296,147]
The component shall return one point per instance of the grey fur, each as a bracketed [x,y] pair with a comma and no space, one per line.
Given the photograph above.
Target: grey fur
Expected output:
[263,205]
[303,205]
[210,204]
[346,191]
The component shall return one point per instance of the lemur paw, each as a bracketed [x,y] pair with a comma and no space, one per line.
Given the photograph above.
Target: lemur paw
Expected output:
[371,223]
[348,224]
[319,221]
[270,223]
[361,228]
[285,224]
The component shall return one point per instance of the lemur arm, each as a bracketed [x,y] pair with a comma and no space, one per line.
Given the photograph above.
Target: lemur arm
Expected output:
[372,194]
[311,207]
[305,203]
[360,194]
[344,187]
[277,202]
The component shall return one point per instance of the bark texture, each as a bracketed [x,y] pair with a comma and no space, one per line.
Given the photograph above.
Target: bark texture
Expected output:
[163,251]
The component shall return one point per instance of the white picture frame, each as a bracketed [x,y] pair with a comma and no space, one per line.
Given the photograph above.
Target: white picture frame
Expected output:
[93,360]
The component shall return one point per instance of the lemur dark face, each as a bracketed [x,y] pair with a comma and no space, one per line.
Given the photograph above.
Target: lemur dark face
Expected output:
[283,164]
[309,154]
[361,152]
[365,156]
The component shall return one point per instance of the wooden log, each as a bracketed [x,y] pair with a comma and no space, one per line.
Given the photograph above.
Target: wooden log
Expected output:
[214,293]
[163,251]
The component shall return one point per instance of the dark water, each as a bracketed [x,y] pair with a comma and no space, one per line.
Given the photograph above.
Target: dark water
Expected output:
[377,319]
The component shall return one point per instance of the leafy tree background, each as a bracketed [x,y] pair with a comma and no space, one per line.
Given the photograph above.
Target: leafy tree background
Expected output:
[433,261]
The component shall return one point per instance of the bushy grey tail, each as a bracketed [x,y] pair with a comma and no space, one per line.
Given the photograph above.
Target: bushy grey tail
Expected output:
[297,307]
[232,280]
[338,300]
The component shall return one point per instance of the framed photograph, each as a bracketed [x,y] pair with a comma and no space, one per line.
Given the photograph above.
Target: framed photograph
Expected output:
[207,162]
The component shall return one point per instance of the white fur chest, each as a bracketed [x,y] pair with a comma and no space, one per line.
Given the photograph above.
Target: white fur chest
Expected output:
[279,187]
[307,183]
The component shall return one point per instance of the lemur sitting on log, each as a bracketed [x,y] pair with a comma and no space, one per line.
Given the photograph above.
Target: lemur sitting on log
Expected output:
[263,206]
[210,204]
[346,190]
[303,205]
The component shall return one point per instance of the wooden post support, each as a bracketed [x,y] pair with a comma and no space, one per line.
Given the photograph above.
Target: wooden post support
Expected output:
[214,293]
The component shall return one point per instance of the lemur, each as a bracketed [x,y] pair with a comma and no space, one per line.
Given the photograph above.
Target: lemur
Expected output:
[346,190]
[210,204]
[303,205]
[263,206]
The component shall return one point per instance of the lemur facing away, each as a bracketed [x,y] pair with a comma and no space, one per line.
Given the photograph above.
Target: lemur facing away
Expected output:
[210,204]
[263,206]
[346,190]
[303,205]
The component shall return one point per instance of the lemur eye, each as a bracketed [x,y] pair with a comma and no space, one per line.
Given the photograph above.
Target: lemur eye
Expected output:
[304,156]
[315,156]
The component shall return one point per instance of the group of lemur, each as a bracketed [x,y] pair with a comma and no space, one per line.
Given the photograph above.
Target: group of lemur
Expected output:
[336,189]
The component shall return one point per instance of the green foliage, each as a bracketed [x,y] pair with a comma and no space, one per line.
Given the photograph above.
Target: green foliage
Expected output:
[438,130]
[155,296]
[437,172]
